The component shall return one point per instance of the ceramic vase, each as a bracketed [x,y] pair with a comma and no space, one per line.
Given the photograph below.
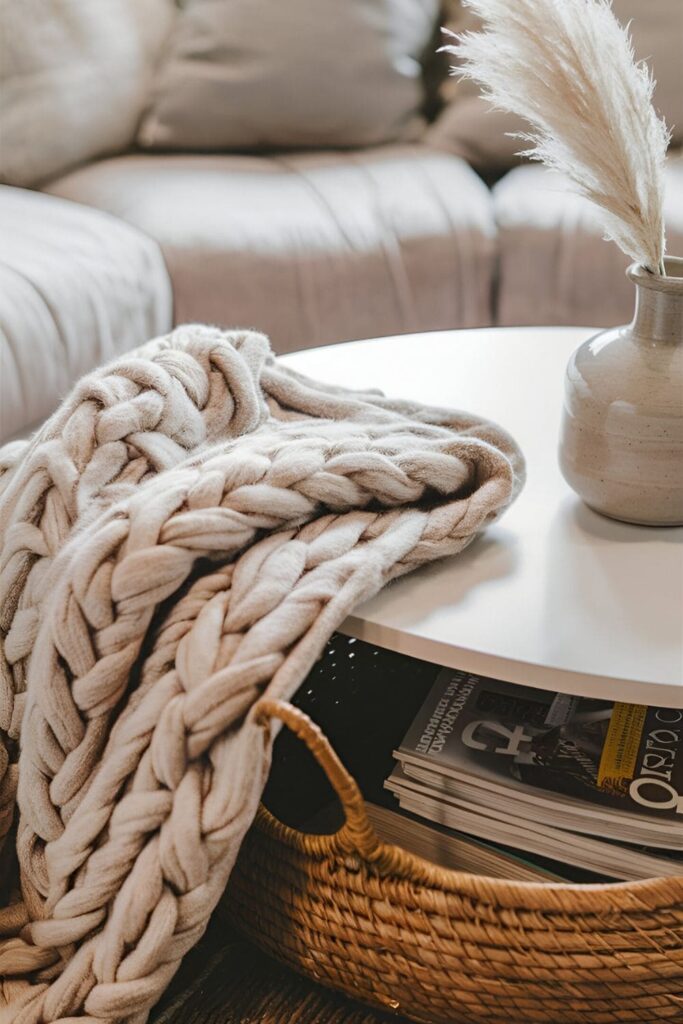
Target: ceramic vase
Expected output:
[621,444]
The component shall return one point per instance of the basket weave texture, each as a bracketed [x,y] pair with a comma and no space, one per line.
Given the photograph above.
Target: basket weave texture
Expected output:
[444,947]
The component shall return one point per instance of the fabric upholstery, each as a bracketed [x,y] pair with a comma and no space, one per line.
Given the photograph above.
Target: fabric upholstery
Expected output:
[311,248]
[302,74]
[555,267]
[469,128]
[76,287]
[73,80]
[657,30]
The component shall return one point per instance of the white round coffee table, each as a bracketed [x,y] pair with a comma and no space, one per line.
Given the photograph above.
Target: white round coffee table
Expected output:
[554,595]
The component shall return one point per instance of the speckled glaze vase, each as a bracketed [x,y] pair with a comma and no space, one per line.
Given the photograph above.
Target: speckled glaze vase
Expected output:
[621,445]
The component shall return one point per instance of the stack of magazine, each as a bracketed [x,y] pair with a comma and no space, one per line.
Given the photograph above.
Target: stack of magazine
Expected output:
[517,782]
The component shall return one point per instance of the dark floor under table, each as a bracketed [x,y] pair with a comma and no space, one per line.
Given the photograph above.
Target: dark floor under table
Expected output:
[225,980]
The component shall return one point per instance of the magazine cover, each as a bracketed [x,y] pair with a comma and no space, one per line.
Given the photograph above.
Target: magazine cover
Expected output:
[624,756]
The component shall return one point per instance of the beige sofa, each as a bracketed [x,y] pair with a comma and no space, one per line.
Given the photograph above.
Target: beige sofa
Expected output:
[311,247]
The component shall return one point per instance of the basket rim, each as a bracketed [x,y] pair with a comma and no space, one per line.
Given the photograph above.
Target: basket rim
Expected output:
[356,844]
[389,860]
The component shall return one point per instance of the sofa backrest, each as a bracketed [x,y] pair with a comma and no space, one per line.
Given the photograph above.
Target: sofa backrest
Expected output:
[291,74]
[74,77]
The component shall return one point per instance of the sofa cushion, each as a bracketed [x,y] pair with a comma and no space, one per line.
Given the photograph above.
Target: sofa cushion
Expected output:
[241,75]
[312,248]
[73,80]
[555,266]
[77,287]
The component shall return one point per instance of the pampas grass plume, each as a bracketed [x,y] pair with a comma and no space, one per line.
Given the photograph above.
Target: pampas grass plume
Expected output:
[568,68]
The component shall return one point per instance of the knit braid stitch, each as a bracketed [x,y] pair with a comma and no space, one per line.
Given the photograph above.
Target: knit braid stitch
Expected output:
[179,539]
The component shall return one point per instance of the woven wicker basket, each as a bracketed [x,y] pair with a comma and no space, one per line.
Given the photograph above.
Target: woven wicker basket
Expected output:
[444,947]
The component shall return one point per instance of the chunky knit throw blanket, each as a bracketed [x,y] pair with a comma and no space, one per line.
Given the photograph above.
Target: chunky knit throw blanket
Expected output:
[180,538]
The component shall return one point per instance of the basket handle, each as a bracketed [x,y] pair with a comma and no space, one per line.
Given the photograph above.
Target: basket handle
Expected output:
[357,828]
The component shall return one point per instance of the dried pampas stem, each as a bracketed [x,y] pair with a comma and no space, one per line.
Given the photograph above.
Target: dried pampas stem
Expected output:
[567,67]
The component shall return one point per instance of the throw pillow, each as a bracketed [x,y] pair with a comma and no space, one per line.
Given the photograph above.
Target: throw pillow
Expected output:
[470,128]
[268,74]
[73,80]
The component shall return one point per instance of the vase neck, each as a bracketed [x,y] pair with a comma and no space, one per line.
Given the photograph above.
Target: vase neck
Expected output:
[659,309]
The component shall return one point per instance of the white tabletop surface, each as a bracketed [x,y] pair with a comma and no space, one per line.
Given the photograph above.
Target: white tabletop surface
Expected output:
[554,595]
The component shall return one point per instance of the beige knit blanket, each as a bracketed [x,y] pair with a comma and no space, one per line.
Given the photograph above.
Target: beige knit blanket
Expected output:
[180,538]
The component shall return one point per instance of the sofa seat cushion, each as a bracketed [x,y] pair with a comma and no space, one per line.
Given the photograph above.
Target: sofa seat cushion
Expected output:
[77,287]
[555,266]
[310,248]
